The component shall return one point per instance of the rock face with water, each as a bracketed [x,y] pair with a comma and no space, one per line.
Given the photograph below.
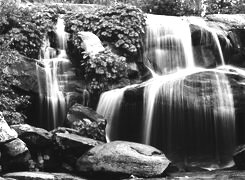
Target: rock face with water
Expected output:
[124,158]
[87,121]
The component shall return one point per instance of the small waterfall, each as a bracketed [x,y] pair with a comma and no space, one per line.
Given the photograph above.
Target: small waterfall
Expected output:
[168,44]
[185,110]
[52,101]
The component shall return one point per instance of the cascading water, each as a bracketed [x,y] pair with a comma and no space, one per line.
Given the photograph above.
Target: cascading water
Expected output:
[52,101]
[162,40]
[186,111]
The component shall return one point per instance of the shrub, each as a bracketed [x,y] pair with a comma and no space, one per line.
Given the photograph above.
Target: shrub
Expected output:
[99,70]
[121,25]
[23,29]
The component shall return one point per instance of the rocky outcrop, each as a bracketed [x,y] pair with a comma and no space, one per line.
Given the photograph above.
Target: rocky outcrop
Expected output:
[87,122]
[124,158]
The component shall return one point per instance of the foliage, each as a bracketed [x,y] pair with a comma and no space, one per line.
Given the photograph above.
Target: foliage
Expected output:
[23,29]
[11,104]
[100,69]
[120,25]
[224,7]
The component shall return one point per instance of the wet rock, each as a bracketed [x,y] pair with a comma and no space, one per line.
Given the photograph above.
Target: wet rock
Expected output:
[87,121]
[33,136]
[124,158]
[6,133]
[41,176]
[15,155]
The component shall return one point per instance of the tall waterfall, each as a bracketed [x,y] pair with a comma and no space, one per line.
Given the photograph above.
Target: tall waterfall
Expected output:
[52,105]
[186,111]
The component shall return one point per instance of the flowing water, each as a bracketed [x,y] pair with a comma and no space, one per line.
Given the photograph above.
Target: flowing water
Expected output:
[52,101]
[186,111]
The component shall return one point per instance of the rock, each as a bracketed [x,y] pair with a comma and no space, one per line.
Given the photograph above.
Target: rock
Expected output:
[33,136]
[73,141]
[15,156]
[87,121]
[231,20]
[14,148]
[41,176]
[124,158]
[239,157]
[25,70]
[6,133]
[91,42]
[71,147]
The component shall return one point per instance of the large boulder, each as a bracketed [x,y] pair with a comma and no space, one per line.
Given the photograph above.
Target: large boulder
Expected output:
[87,121]
[124,158]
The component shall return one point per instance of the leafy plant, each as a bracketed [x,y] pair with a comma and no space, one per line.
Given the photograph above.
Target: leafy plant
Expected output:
[122,26]
[23,29]
[98,70]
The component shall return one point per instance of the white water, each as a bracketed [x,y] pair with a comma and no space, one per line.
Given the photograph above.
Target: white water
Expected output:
[53,101]
[188,111]
[168,44]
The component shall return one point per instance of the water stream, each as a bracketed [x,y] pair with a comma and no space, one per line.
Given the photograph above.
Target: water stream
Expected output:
[52,101]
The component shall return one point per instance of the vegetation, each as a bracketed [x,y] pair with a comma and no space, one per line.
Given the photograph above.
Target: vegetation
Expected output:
[120,25]
[12,104]
[23,29]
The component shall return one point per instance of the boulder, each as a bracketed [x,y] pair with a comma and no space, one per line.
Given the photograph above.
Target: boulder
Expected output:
[231,20]
[15,156]
[14,148]
[41,176]
[124,158]
[33,136]
[71,146]
[75,142]
[6,133]
[29,73]
[90,42]
[87,121]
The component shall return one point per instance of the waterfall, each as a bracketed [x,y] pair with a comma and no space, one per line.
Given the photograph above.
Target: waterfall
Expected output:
[52,101]
[185,110]
[169,41]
